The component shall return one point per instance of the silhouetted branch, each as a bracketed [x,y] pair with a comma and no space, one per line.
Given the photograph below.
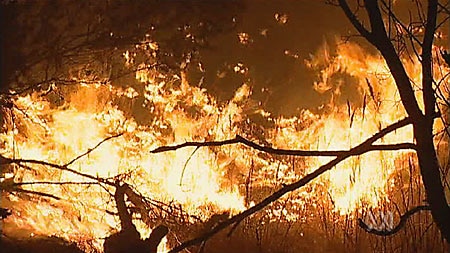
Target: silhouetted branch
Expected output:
[137,201]
[65,167]
[54,183]
[42,194]
[128,239]
[354,20]
[275,151]
[397,228]
[92,149]
[444,8]
[399,22]
[67,82]
[196,144]
[360,149]
[20,162]
[379,38]
[429,98]
[185,165]
[126,221]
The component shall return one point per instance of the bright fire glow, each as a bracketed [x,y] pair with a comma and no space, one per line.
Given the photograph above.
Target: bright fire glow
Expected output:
[206,180]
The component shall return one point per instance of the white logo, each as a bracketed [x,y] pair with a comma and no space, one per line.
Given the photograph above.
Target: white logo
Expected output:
[380,222]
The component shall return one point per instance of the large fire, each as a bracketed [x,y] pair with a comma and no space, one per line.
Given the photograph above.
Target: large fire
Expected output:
[200,181]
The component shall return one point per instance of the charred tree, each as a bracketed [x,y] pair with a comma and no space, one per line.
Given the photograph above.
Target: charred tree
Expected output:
[422,121]
[128,238]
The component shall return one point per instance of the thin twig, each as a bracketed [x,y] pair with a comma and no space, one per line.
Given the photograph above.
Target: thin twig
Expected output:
[20,162]
[54,183]
[185,165]
[358,150]
[391,14]
[92,149]
[42,194]
[65,167]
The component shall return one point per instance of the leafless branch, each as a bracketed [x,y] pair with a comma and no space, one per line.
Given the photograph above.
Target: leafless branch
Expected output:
[92,149]
[5,160]
[54,183]
[275,151]
[66,82]
[185,165]
[399,226]
[354,20]
[398,21]
[358,150]
[378,37]
[65,167]
[427,55]
[444,8]
[42,194]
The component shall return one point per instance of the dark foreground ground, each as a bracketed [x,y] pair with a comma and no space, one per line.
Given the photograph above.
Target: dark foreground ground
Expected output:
[36,245]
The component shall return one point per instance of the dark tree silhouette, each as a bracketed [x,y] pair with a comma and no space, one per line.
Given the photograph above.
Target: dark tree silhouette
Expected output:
[128,239]
[111,30]
[422,120]
[43,42]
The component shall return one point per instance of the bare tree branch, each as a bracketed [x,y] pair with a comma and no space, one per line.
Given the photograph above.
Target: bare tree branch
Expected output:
[354,20]
[427,55]
[67,82]
[54,183]
[92,149]
[42,194]
[376,20]
[422,121]
[5,160]
[360,149]
[379,38]
[444,8]
[133,196]
[275,151]
[400,225]
[398,21]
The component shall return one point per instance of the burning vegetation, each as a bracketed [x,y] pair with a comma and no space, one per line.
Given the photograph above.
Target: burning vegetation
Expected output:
[103,164]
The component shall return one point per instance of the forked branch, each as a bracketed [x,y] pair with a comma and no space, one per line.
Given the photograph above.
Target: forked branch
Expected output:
[358,150]
[379,38]
[92,149]
[354,19]
[65,167]
[275,151]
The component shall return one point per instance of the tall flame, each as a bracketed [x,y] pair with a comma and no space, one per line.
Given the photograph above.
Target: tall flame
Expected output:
[206,180]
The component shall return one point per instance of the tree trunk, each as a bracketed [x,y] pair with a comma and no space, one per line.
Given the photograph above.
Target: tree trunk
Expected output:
[429,168]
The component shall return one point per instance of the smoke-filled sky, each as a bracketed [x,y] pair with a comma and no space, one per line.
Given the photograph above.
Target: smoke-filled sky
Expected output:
[268,41]
[281,36]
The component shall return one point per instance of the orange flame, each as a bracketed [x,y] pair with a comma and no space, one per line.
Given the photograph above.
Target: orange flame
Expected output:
[199,180]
